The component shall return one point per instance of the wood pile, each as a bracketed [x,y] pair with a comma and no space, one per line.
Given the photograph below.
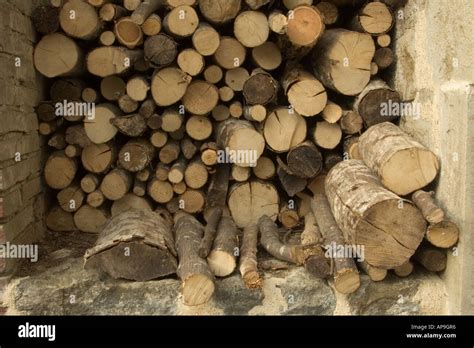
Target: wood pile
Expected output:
[192,133]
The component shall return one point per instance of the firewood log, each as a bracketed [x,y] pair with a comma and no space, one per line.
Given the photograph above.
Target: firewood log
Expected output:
[374,18]
[346,70]
[206,40]
[248,258]
[90,220]
[433,259]
[314,260]
[58,55]
[219,11]
[403,164]
[222,258]
[346,276]
[80,20]
[135,245]
[98,158]
[271,242]
[371,103]
[249,200]
[284,129]
[59,170]
[389,227]
[251,28]
[197,279]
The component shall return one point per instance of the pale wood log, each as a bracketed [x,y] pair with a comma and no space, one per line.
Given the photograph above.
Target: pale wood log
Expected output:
[248,201]
[248,258]
[116,184]
[98,158]
[283,129]
[342,60]
[389,227]
[80,20]
[90,220]
[135,245]
[219,11]
[58,55]
[59,170]
[197,279]
[403,164]
[206,39]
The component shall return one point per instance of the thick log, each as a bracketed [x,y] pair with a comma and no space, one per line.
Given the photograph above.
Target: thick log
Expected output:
[403,164]
[219,11]
[58,55]
[250,200]
[389,227]
[374,18]
[80,20]
[230,54]
[116,184]
[267,56]
[99,128]
[70,199]
[284,129]
[240,141]
[90,220]
[197,279]
[135,245]
[265,168]
[182,21]
[128,33]
[59,170]
[130,202]
[206,40]
[251,28]
[291,183]
[200,97]
[351,122]
[305,93]
[342,59]
[377,274]
[305,27]
[98,158]
[404,270]
[111,60]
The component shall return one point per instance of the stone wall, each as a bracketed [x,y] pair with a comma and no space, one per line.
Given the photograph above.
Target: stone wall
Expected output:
[21,187]
[434,46]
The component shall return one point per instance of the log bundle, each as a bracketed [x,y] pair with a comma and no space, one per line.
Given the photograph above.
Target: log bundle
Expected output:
[227,116]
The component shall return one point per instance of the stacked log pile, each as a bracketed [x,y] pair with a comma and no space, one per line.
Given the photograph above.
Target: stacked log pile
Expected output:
[225,118]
